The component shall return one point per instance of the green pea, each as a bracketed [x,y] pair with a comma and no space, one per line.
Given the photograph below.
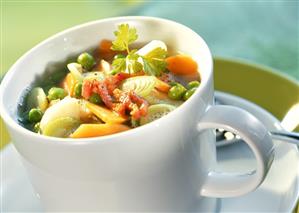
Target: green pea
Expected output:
[35,115]
[135,123]
[177,92]
[78,90]
[36,127]
[189,93]
[114,72]
[119,56]
[56,93]
[192,84]
[173,83]
[95,98]
[86,60]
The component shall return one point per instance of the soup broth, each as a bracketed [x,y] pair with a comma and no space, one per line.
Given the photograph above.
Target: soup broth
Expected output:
[117,86]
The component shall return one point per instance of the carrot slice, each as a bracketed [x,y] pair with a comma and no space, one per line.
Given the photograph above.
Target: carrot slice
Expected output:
[105,46]
[181,65]
[105,52]
[104,49]
[106,115]
[69,83]
[94,130]
[162,86]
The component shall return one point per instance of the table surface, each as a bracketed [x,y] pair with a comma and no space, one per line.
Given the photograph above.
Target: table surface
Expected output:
[266,32]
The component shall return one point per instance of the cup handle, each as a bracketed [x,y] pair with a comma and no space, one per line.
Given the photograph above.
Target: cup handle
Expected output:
[255,134]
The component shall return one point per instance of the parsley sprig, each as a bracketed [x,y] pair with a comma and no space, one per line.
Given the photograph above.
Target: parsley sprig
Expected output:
[124,37]
[152,63]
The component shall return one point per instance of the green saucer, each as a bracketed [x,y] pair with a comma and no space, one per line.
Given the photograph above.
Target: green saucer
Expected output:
[261,85]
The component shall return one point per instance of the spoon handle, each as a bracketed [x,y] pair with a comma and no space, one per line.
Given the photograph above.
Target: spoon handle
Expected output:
[290,137]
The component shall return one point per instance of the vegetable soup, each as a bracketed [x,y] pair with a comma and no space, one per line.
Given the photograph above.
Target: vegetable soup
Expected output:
[112,89]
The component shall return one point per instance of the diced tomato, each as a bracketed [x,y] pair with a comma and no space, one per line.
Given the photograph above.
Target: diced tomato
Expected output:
[104,93]
[98,87]
[119,108]
[111,84]
[86,89]
[129,101]
[107,89]
[121,76]
[135,112]
[143,104]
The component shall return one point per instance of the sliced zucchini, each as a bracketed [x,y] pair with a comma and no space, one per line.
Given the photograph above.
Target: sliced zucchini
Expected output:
[37,99]
[61,127]
[157,97]
[141,85]
[155,112]
[67,107]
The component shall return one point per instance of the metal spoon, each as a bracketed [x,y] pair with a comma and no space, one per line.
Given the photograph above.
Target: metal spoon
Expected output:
[224,137]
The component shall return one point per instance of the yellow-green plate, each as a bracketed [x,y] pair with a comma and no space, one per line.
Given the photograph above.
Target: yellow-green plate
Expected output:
[261,85]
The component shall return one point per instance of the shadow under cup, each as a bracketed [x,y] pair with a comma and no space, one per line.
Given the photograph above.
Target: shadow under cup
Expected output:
[156,167]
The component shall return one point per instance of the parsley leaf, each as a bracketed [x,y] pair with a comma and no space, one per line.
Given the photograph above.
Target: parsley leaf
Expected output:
[133,64]
[124,37]
[154,62]
[119,65]
[157,54]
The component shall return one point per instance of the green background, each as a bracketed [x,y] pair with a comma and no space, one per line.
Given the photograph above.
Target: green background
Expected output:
[265,32]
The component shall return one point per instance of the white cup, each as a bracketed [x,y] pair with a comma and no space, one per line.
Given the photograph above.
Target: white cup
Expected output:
[167,165]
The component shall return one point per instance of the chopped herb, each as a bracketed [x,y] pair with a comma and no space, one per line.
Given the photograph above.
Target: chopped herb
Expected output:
[135,123]
[119,65]
[124,37]
[133,64]
[153,63]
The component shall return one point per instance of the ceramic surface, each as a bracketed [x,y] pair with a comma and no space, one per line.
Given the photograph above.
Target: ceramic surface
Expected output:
[278,193]
[160,171]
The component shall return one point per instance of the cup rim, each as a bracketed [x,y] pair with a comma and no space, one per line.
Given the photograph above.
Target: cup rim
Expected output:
[100,139]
